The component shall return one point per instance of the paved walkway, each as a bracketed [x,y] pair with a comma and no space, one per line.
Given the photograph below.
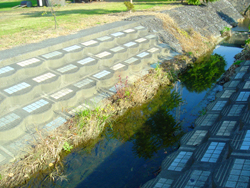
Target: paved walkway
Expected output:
[217,152]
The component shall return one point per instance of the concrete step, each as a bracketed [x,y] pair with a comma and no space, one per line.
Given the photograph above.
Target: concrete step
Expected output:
[232,85]
[234,110]
[195,137]
[64,97]
[41,89]
[241,141]
[177,162]
[217,105]
[247,62]
[234,172]
[207,120]
[211,153]
[158,183]
[36,65]
[243,68]
[240,97]
[225,94]
[225,128]
[50,81]
[194,178]
[244,86]
[100,33]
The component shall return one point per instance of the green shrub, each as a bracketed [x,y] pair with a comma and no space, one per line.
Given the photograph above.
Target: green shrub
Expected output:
[194,2]
[247,41]
[129,6]
[197,2]
[226,29]
[238,62]
[67,147]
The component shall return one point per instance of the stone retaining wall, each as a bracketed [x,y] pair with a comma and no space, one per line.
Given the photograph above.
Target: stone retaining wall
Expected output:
[240,5]
[207,20]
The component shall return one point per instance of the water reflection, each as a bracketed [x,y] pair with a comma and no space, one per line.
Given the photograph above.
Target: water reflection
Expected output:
[151,126]
[243,25]
[204,73]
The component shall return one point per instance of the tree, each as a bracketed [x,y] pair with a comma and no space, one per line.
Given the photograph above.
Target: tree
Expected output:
[49,3]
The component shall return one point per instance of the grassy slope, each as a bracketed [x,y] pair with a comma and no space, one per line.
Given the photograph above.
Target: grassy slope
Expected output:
[27,25]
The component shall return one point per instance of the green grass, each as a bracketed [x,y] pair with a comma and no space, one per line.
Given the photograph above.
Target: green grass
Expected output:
[26,25]
[6,5]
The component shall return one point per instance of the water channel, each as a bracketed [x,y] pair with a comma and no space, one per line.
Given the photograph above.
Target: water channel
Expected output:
[131,154]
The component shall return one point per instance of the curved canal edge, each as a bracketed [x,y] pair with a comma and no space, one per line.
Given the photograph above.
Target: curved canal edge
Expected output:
[57,142]
[219,143]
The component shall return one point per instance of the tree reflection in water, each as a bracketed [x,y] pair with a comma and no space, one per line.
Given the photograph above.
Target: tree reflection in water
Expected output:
[204,73]
[150,127]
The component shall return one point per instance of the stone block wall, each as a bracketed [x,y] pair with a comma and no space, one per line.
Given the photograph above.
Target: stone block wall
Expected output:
[240,5]
[208,20]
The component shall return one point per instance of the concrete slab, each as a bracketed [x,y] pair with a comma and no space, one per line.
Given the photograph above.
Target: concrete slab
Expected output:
[177,161]
[194,138]
[207,120]
[234,172]
[194,178]
[224,128]
[210,153]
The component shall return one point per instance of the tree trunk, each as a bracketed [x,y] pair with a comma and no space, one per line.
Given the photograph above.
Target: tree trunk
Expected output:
[52,11]
[131,1]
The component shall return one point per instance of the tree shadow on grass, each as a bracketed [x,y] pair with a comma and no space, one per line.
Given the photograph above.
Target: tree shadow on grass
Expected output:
[14,3]
[72,12]
[155,3]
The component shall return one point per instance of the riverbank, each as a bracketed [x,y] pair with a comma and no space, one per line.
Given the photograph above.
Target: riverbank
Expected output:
[218,143]
[90,123]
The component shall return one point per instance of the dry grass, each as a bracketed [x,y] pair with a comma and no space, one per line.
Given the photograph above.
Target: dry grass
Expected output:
[190,40]
[80,129]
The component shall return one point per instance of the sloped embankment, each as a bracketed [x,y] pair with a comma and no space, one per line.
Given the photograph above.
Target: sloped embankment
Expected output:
[188,29]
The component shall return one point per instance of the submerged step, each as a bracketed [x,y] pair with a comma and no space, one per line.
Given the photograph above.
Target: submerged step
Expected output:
[210,153]
[235,110]
[177,161]
[245,86]
[224,128]
[233,173]
[241,141]
[207,120]
[232,84]
[217,106]
[194,178]
[194,138]
[225,94]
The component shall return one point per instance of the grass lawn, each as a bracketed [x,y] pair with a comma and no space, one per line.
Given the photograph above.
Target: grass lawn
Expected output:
[27,25]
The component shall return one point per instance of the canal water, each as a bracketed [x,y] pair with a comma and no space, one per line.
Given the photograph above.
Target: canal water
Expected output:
[131,153]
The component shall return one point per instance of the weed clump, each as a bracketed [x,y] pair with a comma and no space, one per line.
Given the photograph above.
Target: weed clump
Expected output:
[226,31]
[130,6]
